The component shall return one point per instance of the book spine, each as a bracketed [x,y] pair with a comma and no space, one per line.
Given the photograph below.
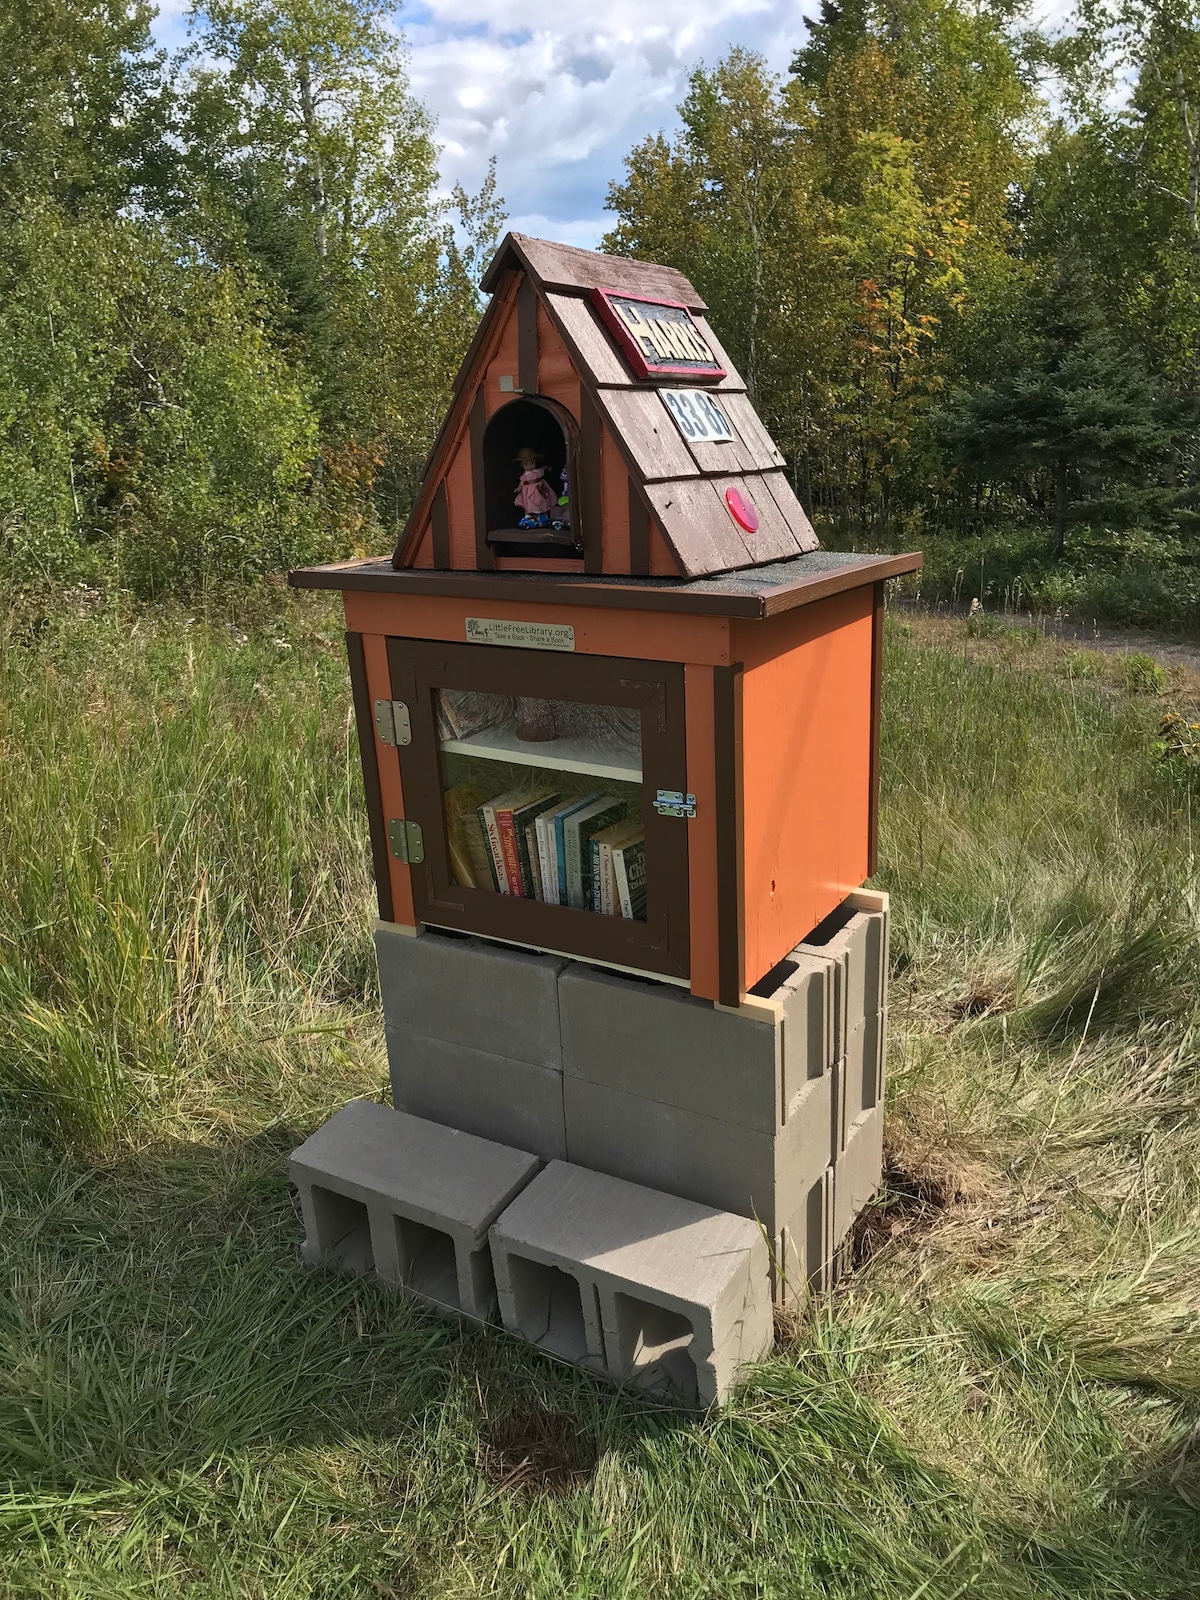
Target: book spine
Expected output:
[607,906]
[508,853]
[527,859]
[560,860]
[544,857]
[574,864]
[592,899]
[622,881]
[491,829]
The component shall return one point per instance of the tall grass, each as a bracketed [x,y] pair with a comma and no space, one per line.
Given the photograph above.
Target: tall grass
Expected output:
[185,868]
[1002,1401]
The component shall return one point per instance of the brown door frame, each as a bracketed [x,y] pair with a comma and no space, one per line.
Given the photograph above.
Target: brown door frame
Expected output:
[655,688]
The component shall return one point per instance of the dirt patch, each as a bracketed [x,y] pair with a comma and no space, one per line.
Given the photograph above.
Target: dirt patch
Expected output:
[909,1205]
[540,1452]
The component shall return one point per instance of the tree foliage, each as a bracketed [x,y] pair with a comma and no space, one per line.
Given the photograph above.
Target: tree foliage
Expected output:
[881,234]
[231,302]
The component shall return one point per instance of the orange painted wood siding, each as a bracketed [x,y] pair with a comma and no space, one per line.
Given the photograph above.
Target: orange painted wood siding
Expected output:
[379,686]
[647,636]
[806,743]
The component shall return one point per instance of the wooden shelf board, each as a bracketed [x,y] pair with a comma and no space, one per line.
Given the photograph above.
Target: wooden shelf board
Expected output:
[559,755]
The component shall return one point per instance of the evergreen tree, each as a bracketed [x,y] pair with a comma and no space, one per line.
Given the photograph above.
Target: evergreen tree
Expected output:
[1081,408]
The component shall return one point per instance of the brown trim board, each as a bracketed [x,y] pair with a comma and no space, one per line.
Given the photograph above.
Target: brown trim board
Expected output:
[527,337]
[731,911]
[589,484]
[365,723]
[703,596]
[439,522]
[483,551]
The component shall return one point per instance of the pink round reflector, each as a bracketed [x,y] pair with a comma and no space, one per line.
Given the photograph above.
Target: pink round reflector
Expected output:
[741,509]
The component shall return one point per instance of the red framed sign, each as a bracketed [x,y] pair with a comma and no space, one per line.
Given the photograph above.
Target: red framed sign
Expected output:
[658,338]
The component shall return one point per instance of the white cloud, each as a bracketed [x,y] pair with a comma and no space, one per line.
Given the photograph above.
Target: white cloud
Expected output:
[559,92]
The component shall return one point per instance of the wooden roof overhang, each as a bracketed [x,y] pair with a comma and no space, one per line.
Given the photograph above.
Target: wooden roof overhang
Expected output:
[761,591]
[681,483]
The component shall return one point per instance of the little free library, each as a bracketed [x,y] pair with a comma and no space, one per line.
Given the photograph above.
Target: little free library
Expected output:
[618,716]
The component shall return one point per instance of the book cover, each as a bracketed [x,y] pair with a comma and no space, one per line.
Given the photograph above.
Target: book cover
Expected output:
[524,812]
[544,828]
[535,859]
[577,839]
[560,841]
[629,869]
[462,802]
[604,891]
[491,832]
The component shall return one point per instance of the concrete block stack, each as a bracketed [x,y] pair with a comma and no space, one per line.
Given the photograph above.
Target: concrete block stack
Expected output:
[674,1133]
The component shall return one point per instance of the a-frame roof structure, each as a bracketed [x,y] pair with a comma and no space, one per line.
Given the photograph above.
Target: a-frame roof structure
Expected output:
[680,482]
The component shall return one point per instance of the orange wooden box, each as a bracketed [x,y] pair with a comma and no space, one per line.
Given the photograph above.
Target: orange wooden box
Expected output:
[748,658]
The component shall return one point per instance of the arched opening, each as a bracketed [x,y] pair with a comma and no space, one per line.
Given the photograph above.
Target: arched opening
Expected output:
[551,432]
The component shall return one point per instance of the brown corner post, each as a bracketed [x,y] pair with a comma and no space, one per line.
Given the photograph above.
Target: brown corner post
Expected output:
[365,723]
[589,484]
[483,551]
[727,729]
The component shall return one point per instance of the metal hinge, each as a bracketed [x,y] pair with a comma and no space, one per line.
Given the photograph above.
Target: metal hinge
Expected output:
[392,723]
[406,841]
[674,803]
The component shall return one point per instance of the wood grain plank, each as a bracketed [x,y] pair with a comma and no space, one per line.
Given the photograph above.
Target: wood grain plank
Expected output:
[653,444]
[591,348]
[702,535]
[439,517]
[639,533]
[761,451]
[565,266]
[793,513]
[365,723]
[588,473]
[527,337]
[483,553]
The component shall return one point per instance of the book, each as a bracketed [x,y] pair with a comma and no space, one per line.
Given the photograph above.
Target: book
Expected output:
[629,870]
[534,857]
[468,864]
[560,815]
[524,812]
[604,883]
[491,832]
[577,842]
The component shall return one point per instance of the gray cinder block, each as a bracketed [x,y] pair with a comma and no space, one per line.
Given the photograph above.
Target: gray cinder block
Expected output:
[807,995]
[673,1297]
[514,1102]
[805,1250]
[703,1159]
[409,1199]
[859,1170]
[862,1069]
[660,1043]
[858,952]
[466,991]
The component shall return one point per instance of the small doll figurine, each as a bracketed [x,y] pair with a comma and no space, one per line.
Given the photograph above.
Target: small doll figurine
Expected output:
[534,495]
[562,512]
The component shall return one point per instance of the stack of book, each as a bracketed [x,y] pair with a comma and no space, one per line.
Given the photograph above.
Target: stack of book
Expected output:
[575,850]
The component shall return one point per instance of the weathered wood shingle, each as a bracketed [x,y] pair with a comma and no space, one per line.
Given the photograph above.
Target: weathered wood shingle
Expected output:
[681,483]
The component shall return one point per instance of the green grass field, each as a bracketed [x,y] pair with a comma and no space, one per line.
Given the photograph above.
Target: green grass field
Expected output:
[1002,1399]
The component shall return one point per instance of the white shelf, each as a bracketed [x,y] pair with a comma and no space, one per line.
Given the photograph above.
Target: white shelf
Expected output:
[561,755]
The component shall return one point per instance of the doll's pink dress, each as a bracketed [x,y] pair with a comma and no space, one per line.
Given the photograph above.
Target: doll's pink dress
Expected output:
[534,495]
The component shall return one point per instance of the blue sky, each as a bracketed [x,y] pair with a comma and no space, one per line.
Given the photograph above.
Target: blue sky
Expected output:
[559,91]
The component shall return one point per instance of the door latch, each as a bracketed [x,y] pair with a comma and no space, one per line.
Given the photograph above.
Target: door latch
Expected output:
[674,803]
[392,722]
[406,841]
